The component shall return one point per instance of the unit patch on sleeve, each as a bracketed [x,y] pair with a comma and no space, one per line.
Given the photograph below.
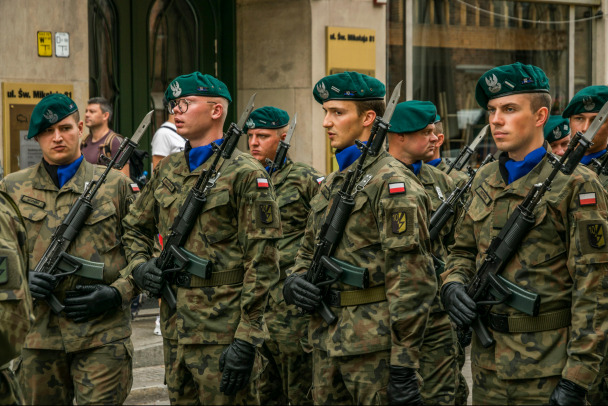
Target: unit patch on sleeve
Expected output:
[262,183]
[398,222]
[321,179]
[587,199]
[134,187]
[266,213]
[396,188]
[595,234]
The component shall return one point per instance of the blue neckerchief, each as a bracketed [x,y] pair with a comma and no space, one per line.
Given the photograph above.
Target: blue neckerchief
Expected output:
[347,156]
[517,169]
[417,166]
[434,162]
[199,155]
[586,160]
[268,167]
[66,172]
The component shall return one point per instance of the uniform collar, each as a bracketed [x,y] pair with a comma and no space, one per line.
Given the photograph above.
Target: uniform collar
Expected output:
[85,173]
[279,177]
[347,156]
[434,162]
[586,160]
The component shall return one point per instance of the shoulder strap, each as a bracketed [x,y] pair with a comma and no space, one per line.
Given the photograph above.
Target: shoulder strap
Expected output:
[169,128]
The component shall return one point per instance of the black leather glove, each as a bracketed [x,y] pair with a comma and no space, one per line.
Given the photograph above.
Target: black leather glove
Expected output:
[567,393]
[41,284]
[88,301]
[299,292]
[148,277]
[460,307]
[402,387]
[236,363]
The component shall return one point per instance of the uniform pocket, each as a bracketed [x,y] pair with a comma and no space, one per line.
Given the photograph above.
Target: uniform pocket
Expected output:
[218,219]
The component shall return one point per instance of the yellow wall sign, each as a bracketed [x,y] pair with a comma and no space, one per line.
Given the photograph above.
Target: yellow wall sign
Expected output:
[18,100]
[349,49]
[45,43]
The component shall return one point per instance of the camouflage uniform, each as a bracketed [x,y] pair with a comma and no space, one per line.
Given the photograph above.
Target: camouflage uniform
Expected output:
[458,177]
[63,359]
[16,315]
[562,259]
[438,364]
[236,231]
[387,234]
[603,178]
[288,376]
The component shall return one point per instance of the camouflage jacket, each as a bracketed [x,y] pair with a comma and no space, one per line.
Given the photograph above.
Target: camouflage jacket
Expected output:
[16,316]
[563,259]
[295,184]
[459,177]
[603,178]
[43,208]
[387,234]
[237,230]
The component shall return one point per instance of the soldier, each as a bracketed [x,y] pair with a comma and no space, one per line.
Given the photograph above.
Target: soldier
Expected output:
[412,139]
[581,112]
[85,352]
[15,301]
[370,355]
[288,375]
[553,357]
[557,134]
[210,339]
[440,163]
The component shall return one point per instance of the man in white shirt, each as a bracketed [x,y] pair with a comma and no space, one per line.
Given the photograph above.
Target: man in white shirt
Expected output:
[166,140]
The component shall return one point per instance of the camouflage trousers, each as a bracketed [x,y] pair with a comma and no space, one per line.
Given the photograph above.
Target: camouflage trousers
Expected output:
[192,374]
[10,392]
[462,392]
[101,375]
[488,389]
[598,394]
[350,380]
[438,361]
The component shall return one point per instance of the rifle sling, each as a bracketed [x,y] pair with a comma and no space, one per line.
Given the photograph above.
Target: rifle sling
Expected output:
[343,298]
[553,320]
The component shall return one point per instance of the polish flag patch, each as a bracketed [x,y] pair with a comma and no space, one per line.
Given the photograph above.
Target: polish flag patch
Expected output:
[262,183]
[587,199]
[319,180]
[134,187]
[395,188]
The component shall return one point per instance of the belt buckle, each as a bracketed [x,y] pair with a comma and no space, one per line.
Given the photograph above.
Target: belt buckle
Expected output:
[499,322]
[183,280]
[333,298]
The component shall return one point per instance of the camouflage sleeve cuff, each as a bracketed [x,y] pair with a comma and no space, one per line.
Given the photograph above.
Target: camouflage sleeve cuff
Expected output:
[247,332]
[126,289]
[453,276]
[579,373]
[404,357]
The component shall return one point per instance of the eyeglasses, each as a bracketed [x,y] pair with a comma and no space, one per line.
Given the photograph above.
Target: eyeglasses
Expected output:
[182,105]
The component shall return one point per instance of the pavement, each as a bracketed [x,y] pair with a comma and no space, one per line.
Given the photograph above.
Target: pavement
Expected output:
[148,366]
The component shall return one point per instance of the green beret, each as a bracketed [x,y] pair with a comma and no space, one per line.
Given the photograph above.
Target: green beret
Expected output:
[353,86]
[412,116]
[556,128]
[438,118]
[589,100]
[267,117]
[50,110]
[197,84]
[510,79]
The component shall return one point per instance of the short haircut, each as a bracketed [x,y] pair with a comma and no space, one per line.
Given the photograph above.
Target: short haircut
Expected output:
[104,104]
[438,127]
[377,106]
[539,100]
[76,116]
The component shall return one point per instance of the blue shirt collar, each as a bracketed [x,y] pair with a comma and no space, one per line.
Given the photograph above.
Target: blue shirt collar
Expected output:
[67,172]
[518,169]
[268,167]
[416,166]
[434,162]
[347,156]
[199,155]
[586,160]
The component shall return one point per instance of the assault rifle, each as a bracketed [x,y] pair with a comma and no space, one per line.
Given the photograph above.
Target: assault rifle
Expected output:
[55,260]
[281,154]
[600,166]
[447,209]
[325,270]
[466,153]
[174,258]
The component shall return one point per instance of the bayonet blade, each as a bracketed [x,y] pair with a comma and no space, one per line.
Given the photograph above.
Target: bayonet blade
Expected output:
[596,124]
[392,103]
[142,127]
[241,123]
[480,136]
[291,130]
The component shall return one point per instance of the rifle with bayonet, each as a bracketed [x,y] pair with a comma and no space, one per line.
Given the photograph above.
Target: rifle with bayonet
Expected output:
[174,259]
[488,287]
[325,270]
[281,155]
[600,166]
[447,209]
[465,154]
[55,260]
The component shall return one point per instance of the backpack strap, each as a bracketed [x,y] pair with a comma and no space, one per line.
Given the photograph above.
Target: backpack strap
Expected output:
[107,145]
